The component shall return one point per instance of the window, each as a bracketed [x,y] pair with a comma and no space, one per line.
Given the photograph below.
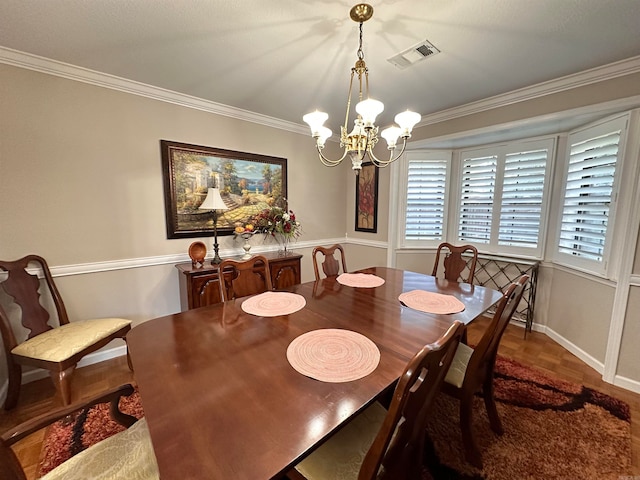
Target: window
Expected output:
[589,193]
[476,199]
[498,202]
[425,208]
[503,197]
[521,211]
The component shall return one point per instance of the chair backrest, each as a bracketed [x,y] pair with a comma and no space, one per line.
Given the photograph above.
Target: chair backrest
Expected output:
[24,288]
[399,445]
[454,263]
[243,278]
[330,266]
[483,359]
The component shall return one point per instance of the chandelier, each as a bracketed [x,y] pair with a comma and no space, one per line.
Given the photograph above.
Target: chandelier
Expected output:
[360,142]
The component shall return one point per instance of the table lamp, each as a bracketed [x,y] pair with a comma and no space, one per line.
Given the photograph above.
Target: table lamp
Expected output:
[214,202]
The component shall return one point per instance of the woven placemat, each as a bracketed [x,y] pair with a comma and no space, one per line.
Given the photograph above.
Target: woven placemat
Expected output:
[431,302]
[333,355]
[360,280]
[273,304]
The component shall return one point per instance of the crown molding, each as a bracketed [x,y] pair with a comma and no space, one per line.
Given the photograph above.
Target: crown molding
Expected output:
[79,74]
[92,77]
[580,79]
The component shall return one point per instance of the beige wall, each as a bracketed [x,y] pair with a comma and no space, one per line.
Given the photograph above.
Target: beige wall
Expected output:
[362,256]
[580,311]
[628,364]
[636,262]
[82,183]
[86,177]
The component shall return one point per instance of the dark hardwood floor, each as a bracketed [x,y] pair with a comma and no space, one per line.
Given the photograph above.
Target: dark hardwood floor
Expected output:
[537,350]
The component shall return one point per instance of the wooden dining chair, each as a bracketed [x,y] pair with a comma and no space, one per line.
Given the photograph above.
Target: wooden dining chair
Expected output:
[330,266]
[454,263]
[244,278]
[472,371]
[128,454]
[57,348]
[387,444]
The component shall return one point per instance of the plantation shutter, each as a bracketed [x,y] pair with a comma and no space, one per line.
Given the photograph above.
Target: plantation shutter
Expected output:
[476,199]
[522,196]
[426,182]
[587,199]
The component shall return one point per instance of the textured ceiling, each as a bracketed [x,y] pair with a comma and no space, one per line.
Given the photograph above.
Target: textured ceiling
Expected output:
[284,58]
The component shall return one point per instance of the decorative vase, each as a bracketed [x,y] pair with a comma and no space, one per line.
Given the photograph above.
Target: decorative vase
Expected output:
[247,246]
[284,244]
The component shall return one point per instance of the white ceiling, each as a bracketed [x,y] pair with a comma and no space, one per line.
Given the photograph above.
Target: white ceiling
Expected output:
[284,58]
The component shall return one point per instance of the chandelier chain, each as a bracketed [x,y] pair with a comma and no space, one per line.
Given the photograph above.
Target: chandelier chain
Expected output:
[360,51]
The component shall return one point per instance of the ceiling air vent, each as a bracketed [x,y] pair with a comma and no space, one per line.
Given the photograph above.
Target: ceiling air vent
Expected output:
[414,54]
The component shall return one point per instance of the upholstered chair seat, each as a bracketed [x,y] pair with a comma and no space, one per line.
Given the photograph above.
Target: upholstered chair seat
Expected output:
[59,344]
[458,368]
[128,454]
[341,457]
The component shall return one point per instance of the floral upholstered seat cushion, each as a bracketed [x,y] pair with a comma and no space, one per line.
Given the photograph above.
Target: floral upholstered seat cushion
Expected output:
[458,368]
[60,343]
[126,455]
[341,457]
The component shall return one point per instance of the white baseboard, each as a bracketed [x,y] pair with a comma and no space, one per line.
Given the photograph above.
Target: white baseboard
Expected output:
[627,383]
[578,352]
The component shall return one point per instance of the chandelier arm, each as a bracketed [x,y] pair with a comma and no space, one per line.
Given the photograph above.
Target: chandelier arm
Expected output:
[327,161]
[386,163]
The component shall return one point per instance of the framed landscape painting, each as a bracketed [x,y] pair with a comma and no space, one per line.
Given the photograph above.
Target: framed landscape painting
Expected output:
[248,184]
[367,199]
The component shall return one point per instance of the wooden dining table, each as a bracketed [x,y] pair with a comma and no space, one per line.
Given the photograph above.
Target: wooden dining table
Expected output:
[223,402]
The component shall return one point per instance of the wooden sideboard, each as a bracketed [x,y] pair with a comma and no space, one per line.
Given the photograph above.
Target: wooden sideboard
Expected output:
[199,286]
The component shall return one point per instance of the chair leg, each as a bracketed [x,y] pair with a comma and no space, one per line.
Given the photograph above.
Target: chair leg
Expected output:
[15,379]
[129,364]
[471,451]
[62,381]
[492,411]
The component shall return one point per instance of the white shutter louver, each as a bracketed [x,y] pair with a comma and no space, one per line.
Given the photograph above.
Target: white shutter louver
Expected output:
[522,192]
[476,199]
[425,199]
[587,199]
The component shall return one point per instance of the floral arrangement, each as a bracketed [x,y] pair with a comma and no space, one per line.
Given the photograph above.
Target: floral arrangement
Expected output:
[276,220]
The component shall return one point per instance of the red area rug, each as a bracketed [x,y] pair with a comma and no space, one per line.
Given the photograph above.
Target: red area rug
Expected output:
[79,431]
[553,430]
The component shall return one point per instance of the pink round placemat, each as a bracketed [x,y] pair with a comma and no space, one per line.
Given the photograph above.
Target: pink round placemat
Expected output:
[361,280]
[273,304]
[333,355]
[431,302]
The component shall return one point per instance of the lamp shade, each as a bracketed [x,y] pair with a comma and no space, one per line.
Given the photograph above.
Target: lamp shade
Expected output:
[315,120]
[369,109]
[213,201]
[406,120]
[391,135]
[323,135]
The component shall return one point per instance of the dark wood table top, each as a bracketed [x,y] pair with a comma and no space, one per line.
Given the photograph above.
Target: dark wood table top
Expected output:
[222,401]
